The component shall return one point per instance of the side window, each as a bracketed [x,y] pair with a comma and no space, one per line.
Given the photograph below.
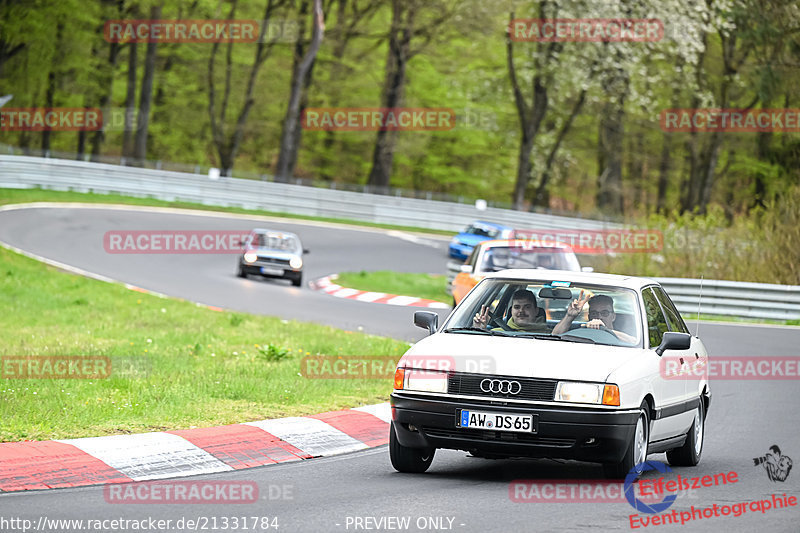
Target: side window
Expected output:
[472,257]
[656,323]
[674,319]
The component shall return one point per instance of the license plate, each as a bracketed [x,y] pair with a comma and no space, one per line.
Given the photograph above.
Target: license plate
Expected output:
[495,421]
[272,271]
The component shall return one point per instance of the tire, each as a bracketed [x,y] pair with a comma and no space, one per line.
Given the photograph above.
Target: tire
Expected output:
[408,460]
[297,281]
[240,271]
[689,454]
[636,454]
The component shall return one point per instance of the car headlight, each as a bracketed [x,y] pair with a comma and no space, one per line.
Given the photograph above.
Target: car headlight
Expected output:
[250,257]
[295,262]
[594,393]
[420,380]
[455,241]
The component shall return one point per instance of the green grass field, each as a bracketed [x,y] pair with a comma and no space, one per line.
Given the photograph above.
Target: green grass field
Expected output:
[429,286]
[180,365]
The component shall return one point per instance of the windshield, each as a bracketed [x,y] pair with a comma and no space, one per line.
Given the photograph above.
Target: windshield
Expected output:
[276,241]
[499,258]
[482,231]
[539,309]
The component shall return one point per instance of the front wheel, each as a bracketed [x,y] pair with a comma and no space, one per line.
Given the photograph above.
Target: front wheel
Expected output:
[240,271]
[297,281]
[689,454]
[405,459]
[636,455]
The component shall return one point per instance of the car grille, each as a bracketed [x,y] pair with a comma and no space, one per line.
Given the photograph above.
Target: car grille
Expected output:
[499,436]
[531,388]
[273,261]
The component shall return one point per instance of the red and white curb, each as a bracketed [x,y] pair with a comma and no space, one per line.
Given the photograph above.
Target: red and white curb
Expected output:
[171,454]
[327,285]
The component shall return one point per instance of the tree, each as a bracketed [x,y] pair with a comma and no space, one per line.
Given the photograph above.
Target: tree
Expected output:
[407,23]
[228,145]
[301,78]
[146,94]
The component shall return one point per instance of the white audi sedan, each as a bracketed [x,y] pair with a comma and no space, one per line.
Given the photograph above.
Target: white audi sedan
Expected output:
[550,363]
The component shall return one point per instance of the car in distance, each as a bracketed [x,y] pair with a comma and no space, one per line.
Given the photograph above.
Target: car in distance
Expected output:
[497,255]
[272,254]
[590,390]
[462,244]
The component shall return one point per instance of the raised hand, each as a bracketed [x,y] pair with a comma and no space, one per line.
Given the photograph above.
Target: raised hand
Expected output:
[576,306]
[481,319]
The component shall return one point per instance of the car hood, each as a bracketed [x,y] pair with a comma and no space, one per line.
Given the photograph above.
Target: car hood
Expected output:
[484,354]
[280,254]
[471,239]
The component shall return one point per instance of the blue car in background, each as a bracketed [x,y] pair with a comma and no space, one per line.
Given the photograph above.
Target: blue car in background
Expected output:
[463,243]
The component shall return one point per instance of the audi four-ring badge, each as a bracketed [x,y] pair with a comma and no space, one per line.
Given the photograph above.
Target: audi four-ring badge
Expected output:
[559,364]
[500,385]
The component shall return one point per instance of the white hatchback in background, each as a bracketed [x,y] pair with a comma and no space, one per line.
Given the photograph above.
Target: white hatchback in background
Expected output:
[504,254]
[595,390]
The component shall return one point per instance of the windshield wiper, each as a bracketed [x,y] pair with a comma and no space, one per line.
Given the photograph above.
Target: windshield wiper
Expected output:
[575,338]
[543,336]
[473,328]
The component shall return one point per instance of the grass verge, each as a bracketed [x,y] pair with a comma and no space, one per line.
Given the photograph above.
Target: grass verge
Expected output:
[187,366]
[429,286]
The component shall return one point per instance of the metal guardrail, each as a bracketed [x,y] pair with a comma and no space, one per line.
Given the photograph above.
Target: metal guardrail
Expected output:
[64,174]
[734,298]
[725,298]
[719,297]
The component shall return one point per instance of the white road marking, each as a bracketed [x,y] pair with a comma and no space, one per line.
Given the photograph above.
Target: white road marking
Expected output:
[313,436]
[146,456]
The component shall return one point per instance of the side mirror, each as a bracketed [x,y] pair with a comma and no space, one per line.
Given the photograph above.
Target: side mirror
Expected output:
[426,320]
[305,250]
[674,340]
[465,268]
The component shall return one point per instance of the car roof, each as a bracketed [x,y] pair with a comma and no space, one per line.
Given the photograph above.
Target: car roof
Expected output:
[527,274]
[282,232]
[492,224]
[497,243]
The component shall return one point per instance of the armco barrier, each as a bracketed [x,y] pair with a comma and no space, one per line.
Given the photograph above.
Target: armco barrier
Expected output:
[63,174]
[719,297]
[725,298]
[734,298]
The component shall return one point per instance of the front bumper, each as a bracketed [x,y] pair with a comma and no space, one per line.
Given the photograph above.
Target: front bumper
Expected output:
[561,432]
[460,251]
[286,270]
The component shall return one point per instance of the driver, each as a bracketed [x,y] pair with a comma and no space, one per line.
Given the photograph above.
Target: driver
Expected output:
[524,314]
[601,315]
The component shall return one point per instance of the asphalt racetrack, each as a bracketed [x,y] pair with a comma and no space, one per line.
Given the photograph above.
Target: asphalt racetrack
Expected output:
[361,491]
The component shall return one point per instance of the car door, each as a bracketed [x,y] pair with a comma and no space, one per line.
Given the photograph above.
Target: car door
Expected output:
[695,359]
[670,387]
[464,281]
